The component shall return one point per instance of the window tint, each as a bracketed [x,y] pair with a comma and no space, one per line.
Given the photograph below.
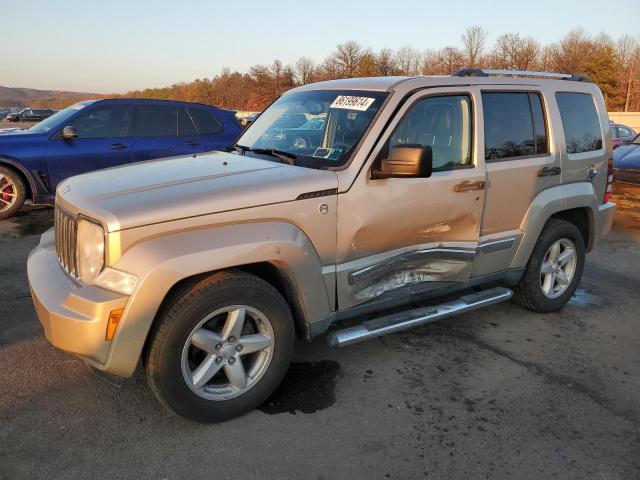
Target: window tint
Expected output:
[205,121]
[156,121]
[614,132]
[580,122]
[514,125]
[185,124]
[110,121]
[625,132]
[444,124]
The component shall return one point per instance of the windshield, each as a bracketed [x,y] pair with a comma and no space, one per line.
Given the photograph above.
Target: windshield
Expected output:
[319,128]
[58,119]
[636,141]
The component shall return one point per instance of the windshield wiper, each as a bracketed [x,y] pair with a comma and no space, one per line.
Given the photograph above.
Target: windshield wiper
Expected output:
[283,156]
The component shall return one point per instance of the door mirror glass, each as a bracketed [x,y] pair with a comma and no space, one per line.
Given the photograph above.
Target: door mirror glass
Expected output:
[409,161]
[69,133]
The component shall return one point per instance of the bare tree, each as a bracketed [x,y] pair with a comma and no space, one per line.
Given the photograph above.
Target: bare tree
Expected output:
[449,60]
[330,69]
[474,40]
[628,49]
[386,62]
[347,57]
[408,61]
[569,53]
[305,70]
[512,52]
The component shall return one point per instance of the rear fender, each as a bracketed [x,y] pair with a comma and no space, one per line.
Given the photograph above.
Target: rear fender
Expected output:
[547,203]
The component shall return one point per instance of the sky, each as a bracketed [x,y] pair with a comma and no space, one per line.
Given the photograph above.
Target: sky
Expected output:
[114,46]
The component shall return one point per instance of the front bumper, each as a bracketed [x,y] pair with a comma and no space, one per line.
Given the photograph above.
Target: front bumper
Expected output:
[74,316]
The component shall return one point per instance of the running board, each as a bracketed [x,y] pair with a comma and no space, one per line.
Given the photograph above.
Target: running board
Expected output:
[420,316]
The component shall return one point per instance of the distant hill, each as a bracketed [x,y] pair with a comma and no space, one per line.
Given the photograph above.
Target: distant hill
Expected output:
[28,97]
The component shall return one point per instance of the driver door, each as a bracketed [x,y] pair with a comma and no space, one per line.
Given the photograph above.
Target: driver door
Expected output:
[404,236]
[103,141]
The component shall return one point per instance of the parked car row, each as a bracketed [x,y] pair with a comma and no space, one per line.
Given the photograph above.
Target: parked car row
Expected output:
[96,134]
[30,115]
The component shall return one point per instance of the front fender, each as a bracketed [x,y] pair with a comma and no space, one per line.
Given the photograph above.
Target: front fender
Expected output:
[161,262]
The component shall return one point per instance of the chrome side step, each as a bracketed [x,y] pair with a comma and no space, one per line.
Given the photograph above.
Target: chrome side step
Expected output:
[413,318]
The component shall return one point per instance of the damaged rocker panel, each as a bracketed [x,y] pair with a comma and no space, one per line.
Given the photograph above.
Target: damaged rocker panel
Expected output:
[434,264]
[410,260]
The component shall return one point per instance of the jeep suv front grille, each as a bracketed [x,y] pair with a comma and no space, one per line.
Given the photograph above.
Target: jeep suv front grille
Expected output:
[66,227]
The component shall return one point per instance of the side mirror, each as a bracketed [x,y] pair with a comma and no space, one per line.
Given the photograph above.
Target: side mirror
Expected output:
[408,161]
[69,133]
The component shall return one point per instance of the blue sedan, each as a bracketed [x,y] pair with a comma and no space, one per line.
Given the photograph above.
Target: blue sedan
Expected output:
[98,134]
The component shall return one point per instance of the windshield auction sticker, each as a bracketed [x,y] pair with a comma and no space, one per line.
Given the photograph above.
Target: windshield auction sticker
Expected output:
[352,103]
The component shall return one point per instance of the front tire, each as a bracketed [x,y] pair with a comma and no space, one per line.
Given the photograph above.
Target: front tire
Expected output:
[12,192]
[220,348]
[554,269]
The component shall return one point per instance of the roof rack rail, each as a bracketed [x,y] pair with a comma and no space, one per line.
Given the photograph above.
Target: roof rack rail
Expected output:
[479,72]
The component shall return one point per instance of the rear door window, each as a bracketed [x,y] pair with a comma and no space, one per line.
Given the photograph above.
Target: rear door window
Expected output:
[205,121]
[580,122]
[156,121]
[514,125]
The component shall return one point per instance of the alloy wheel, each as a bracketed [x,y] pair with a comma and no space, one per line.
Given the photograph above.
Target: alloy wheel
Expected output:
[227,352]
[558,268]
[8,193]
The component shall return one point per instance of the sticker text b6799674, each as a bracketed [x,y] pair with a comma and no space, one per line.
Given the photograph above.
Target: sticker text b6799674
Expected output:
[352,103]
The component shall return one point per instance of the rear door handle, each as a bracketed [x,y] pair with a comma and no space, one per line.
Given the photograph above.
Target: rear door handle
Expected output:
[467,186]
[118,146]
[549,171]
[193,143]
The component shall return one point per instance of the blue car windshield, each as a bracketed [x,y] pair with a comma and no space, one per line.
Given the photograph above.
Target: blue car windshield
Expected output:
[315,128]
[58,120]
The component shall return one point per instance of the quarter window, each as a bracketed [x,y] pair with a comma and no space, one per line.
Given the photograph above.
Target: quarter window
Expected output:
[111,121]
[514,125]
[185,124]
[205,121]
[580,122]
[442,123]
[157,121]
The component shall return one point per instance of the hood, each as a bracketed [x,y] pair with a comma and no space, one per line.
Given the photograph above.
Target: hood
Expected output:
[14,131]
[170,189]
[627,157]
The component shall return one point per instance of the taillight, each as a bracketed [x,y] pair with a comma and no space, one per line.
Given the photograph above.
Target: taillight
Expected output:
[609,191]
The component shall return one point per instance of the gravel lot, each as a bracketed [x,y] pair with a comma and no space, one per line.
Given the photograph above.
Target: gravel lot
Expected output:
[499,393]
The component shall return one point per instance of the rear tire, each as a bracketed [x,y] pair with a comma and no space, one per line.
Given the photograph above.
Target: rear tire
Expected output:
[554,269]
[199,350]
[12,192]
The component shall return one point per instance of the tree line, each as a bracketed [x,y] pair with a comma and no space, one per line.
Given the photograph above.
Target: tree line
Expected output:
[614,64]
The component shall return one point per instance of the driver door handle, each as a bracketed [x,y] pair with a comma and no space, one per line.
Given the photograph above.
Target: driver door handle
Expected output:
[192,143]
[468,186]
[118,146]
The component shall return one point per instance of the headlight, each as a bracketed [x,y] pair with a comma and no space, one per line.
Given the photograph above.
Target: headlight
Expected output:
[90,250]
[116,281]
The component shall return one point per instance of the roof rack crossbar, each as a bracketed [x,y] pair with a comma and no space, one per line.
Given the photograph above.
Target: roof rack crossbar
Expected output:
[479,72]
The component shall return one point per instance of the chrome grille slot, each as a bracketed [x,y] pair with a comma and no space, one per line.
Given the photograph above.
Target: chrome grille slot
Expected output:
[66,233]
